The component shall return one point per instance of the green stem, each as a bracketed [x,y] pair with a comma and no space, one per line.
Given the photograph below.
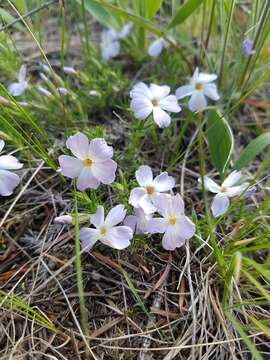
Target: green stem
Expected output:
[213,241]
[88,50]
[83,310]
[225,43]
[212,17]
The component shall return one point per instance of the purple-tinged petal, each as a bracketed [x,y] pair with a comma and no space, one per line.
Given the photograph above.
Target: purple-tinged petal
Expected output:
[142,107]
[99,150]
[63,219]
[115,216]
[78,144]
[88,237]
[155,48]
[141,89]
[159,91]
[197,101]
[206,78]
[163,182]
[70,166]
[8,182]
[156,225]
[87,180]
[169,103]
[210,185]
[144,175]
[184,91]
[135,195]
[146,204]
[97,219]
[2,145]
[9,162]
[220,205]
[104,171]
[232,179]
[161,118]
[210,90]
[185,227]
[118,237]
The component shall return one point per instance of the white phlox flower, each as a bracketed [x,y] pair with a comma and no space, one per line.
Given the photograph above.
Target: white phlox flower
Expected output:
[138,221]
[18,88]
[156,46]
[200,87]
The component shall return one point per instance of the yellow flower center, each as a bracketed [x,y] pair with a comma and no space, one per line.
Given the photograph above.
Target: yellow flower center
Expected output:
[223,189]
[172,220]
[149,190]
[103,231]
[198,86]
[87,162]
[155,102]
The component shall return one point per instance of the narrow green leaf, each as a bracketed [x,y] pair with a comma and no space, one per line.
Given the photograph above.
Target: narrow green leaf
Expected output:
[99,13]
[184,12]
[152,7]
[220,140]
[252,150]
[240,329]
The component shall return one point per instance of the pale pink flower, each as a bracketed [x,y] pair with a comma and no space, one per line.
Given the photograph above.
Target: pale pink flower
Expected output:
[138,221]
[91,164]
[176,227]
[201,86]
[8,180]
[143,196]
[221,201]
[18,88]
[155,100]
[106,230]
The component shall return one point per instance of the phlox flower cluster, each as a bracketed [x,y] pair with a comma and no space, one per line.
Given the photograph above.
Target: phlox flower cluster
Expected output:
[157,101]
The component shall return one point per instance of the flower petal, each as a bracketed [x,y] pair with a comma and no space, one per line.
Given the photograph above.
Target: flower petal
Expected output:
[124,32]
[184,91]
[16,89]
[156,225]
[144,175]
[172,239]
[115,215]
[22,74]
[141,106]
[104,171]
[232,179]
[162,202]
[210,185]
[220,205]
[97,219]
[2,145]
[87,180]
[135,195]
[197,101]
[88,237]
[163,182]
[236,190]
[156,47]
[169,103]
[141,89]
[177,205]
[161,118]
[159,91]
[210,90]
[78,144]
[206,78]
[195,76]
[99,150]
[186,227]
[146,204]
[131,221]
[118,237]
[9,162]
[70,166]
[8,182]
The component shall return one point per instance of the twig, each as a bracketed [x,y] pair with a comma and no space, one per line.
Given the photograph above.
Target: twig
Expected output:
[29,13]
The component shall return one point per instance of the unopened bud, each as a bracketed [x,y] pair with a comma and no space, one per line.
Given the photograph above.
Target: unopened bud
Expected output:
[62,91]
[69,70]
[45,92]
[63,219]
